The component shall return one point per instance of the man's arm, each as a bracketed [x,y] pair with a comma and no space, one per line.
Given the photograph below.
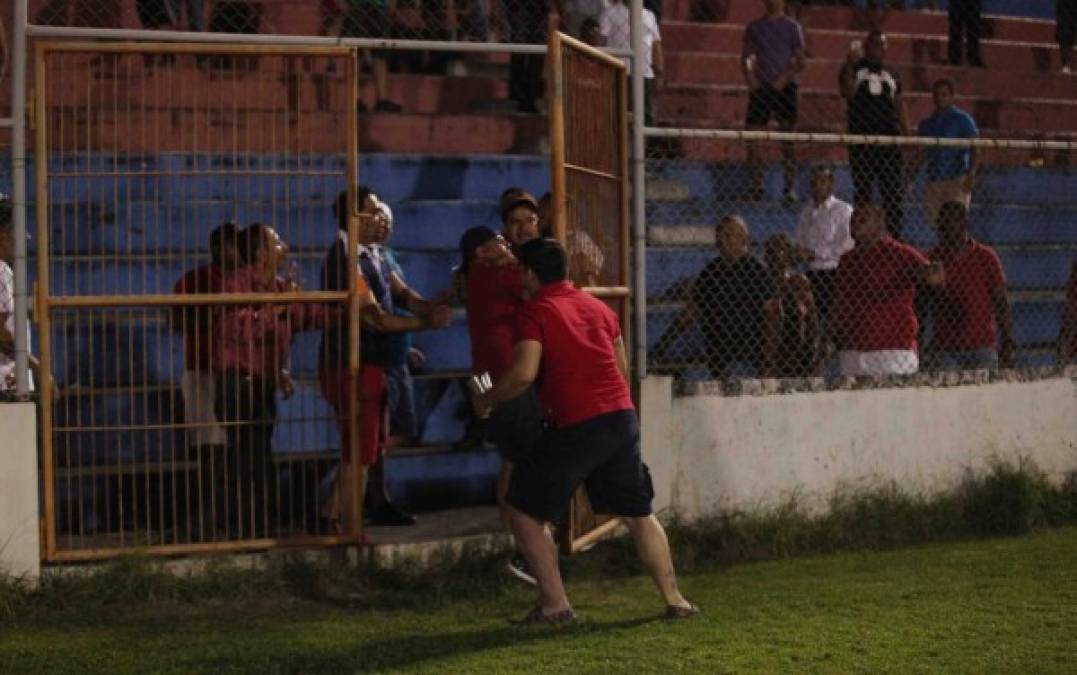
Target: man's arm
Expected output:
[526,358]
[747,62]
[1000,301]
[847,80]
[795,66]
[681,323]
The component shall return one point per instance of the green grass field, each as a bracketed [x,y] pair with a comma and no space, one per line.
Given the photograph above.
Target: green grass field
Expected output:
[971,606]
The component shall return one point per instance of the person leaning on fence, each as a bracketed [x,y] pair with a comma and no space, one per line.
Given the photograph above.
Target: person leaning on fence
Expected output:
[874,323]
[1066,347]
[593,439]
[251,344]
[973,323]
[950,172]
[494,293]
[727,302]
[875,107]
[7,302]
[822,237]
[197,384]
[771,56]
[793,335]
[377,321]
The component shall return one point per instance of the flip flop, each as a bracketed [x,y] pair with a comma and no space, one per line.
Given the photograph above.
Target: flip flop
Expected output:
[677,612]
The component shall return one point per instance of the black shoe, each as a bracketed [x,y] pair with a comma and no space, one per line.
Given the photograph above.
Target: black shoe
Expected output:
[385,105]
[387,515]
[517,566]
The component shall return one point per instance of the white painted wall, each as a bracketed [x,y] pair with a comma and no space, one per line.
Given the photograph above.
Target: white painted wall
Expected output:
[738,452]
[20,551]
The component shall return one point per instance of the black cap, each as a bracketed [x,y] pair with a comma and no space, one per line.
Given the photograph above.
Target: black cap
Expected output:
[514,199]
[471,241]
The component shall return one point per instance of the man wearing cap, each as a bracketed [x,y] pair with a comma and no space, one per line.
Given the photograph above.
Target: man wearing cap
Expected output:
[593,434]
[519,217]
[493,286]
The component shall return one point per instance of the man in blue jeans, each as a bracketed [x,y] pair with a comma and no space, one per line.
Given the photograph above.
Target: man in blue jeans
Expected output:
[593,437]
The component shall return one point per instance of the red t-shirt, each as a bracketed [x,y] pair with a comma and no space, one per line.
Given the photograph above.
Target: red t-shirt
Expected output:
[875,288]
[194,321]
[579,378]
[494,294]
[964,313]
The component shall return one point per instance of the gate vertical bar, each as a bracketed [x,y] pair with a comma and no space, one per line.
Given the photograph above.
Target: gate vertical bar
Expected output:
[556,109]
[18,189]
[639,204]
[358,473]
[41,202]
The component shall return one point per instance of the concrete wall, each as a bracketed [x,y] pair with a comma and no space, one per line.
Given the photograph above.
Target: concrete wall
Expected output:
[20,551]
[723,452]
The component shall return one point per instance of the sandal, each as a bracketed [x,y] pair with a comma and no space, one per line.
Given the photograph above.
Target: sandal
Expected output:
[537,617]
[678,612]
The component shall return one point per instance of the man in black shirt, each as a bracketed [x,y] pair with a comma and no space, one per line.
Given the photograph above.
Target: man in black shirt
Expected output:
[875,107]
[727,303]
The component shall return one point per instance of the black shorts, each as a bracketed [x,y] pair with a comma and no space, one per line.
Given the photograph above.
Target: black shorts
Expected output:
[516,426]
[767,102]
[401,396]
[602,453]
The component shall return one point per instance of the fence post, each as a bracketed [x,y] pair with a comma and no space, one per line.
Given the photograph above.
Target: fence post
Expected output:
[639,215]
[18,181]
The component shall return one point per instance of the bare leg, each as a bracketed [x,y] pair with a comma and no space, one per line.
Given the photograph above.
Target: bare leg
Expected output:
[653,547]
[541,553]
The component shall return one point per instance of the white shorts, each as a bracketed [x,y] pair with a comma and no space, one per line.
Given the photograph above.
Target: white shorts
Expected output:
[882,362]
[199,394]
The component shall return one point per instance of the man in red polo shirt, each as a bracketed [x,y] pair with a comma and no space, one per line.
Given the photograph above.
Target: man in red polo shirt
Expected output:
[593,435]
[971,310]
[875,327]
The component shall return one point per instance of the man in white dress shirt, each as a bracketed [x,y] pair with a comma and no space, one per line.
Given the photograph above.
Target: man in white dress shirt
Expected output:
[822,236]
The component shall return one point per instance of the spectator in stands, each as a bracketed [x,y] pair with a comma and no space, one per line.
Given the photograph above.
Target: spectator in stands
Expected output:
[585,257]
[494,292]
[575,14]
[875,107]
[1067,333]
[615,25]
[965,21]
[527,22]
[381,319]
[875,324]
[771,56]
[594,439]
[951,172]
[198,384]
[402,357]
[1066,32]
[971,311]
[7,301]
[822,237]
[251,344]
[519,216]
[374,19]
[727,302]
[591,32]
[793,331]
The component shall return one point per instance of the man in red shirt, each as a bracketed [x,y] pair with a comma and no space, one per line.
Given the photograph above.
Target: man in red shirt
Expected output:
[973,302]
[493,293]
[1067,334]
[876,325]
[197,384]
[593,435]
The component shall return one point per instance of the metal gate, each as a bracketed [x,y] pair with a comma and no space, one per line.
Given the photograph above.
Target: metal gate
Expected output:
[169,423]
[588,95]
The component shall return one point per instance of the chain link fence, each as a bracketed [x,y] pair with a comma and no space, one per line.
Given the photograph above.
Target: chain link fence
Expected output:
[833,273]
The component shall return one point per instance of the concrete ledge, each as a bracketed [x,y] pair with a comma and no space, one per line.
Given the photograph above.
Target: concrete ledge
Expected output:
[20,537]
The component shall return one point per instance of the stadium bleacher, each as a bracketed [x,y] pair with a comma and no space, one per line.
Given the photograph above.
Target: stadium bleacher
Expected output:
[441,164]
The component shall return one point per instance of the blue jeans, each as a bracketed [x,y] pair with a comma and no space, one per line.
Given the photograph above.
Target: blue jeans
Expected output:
[972,359]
